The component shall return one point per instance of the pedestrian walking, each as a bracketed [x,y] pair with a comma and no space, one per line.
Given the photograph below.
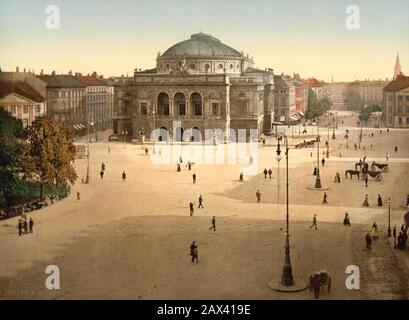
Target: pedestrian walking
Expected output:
[241,176]
[193,252]
[346,220]
[265,173]
[325,198]
[368,241]
[251,160]
[200,202]
[189,165]
[101,173]
[270,173]
[258,195]
[366,180]
[380,202]
[25,226]
[194,177]
[213,224]
[103,166]
[314,222]
[146,151]
[123,176]
[191,209]
[315,171]
[78,195]
[396,148]
[366,203]
[178,169]
[30,225]
[387,156]
[20,228]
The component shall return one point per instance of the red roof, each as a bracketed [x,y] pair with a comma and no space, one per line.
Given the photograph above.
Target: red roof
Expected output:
[401,82]
[21,88]
[312,82]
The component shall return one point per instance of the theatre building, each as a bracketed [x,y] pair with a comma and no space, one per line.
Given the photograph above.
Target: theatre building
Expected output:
[198,83]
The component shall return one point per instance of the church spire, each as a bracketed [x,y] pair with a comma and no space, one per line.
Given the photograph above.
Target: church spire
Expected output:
[397,70]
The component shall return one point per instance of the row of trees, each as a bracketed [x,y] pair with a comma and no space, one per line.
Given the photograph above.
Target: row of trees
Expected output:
[42,155]
[316,107]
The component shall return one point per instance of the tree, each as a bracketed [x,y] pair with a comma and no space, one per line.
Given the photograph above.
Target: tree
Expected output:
[366,112]
[13,153]
[52,151]
[352,99]
[315,107]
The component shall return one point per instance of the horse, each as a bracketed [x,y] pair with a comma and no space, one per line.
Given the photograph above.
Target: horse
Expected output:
[352,173]
[362,165]
[377,175]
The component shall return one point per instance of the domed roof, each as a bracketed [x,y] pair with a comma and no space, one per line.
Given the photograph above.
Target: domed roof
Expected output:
[202,44]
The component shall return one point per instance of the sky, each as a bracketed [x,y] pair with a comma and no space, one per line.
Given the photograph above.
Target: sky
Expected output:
[114,37]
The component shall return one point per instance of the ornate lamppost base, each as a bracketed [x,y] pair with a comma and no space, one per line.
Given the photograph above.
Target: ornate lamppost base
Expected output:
[298,286]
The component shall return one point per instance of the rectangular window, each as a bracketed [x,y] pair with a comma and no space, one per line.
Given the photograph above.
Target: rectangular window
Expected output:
[144,108]
[215,109]
[198,109]
[400,120]
[38,108]
[390,110]
[25,123]
[25,109]
[182,109]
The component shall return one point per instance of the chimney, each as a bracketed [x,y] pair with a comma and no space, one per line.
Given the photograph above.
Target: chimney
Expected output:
[94,74]
[41,72]
[53,73]
[24,70]
[70,73]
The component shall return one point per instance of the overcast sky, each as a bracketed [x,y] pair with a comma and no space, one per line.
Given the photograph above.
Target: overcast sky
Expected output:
[113,37]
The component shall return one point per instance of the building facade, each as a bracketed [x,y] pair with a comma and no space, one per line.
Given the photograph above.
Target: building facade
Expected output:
[22,101]
[370,91]
[395,103]
[98,100]
[199,83]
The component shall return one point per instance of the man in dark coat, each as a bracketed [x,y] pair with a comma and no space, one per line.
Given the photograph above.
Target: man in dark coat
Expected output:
[368,240]
[380,202]
[193,252]
[200,202]
[265,173]
[270,173]
[213,224]
[192,211]
[194,177]
[30,225]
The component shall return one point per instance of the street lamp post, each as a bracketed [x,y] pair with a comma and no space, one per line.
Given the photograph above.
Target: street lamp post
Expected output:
[318,178]
[124,134]
[328,143]
[389,217]
[88,150]
[333,128]
[154,132]
[287,278]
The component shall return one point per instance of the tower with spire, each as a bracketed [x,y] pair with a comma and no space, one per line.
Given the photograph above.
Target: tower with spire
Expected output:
[397,70]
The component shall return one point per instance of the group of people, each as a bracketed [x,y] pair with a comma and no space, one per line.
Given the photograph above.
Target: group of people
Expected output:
[24,226]
[269,172]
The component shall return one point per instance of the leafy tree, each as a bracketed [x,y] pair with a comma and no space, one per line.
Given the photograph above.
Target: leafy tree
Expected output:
[366,112]
[315,107]
[352,99]
[13,154]
[52,151]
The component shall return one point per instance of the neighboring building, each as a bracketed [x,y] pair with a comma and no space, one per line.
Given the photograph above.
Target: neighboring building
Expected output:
[370,91]
[301,97]
[22,101]
[203,84]
[395,103]
[65,98]
[317,86]
[98,100]
[28,77]
[336,94]
[284,100]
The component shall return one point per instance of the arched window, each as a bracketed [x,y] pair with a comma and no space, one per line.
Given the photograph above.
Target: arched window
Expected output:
[163,104]
[242,104]
[180,103]
[196,102]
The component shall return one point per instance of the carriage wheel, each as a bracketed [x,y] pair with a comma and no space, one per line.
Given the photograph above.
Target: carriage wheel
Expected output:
[386,169]
[379,178]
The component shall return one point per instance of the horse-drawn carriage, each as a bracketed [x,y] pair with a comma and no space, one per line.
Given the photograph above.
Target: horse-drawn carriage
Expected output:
[384,167]
[305,144]
[376,175]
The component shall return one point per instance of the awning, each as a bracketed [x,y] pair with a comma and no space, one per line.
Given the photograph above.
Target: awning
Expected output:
[293,117]
[301,113]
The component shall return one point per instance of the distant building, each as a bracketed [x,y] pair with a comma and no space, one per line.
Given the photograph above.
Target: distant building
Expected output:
[370,91]
[336,94]
[284,100]
[301,97]
[22,101]
[65,98]
[317,86]
[98,100]
[395,103]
